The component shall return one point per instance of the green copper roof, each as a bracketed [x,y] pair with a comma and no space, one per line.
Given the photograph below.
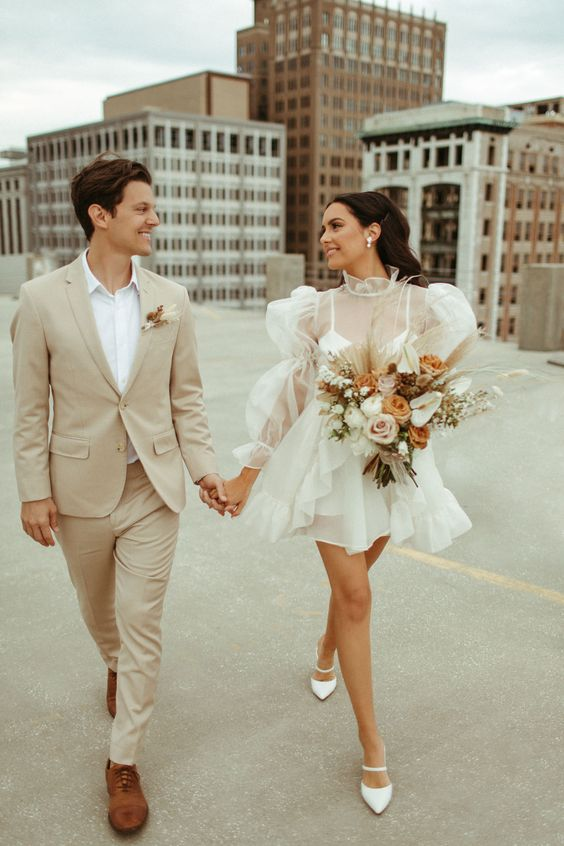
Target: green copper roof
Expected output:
[415,128]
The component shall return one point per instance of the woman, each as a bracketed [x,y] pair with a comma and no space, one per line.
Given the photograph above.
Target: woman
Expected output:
[315,486]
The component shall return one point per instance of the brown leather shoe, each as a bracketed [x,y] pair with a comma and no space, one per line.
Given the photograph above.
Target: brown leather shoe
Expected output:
[128,808]
[111,692]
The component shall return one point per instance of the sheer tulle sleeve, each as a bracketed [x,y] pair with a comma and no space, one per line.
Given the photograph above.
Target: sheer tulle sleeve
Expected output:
[281,394]
[447,307]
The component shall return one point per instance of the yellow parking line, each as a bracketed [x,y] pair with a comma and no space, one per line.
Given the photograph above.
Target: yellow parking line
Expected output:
[477,573]
[209,312]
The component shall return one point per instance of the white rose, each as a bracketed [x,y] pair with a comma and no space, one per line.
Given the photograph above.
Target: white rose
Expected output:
[336,424]
[354,418]
[382,429]
[403,449]
[337,408]
[424,407]
[372,405]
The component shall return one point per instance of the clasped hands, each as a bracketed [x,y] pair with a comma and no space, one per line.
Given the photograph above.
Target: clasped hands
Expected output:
[227,496]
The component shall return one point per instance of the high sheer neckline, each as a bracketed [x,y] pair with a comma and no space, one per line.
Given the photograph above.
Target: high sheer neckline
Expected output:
[373,285]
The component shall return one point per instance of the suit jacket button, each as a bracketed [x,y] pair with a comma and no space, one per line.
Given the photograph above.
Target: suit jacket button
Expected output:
[120,447]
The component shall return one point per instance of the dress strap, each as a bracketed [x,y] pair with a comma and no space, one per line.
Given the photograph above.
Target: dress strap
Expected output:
[398,307]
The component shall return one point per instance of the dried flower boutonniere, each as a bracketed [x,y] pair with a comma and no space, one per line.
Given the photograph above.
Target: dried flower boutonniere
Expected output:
[161,316]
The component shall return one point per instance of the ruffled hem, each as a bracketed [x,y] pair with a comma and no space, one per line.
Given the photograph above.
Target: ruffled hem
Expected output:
[315,487]
[274,520]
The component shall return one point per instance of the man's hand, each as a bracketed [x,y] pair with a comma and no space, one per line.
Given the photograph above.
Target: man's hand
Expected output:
[212,492]
[38,517]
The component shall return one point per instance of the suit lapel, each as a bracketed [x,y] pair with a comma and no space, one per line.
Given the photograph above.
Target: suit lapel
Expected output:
[79,298]
[147,304]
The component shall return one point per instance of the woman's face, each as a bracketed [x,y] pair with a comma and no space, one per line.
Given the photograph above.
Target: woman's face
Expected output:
[343,238]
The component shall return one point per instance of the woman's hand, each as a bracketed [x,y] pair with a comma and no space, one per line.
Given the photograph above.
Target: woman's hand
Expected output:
[239,489]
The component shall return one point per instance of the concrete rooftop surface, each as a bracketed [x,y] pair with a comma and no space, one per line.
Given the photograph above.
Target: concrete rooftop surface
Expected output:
[467,654]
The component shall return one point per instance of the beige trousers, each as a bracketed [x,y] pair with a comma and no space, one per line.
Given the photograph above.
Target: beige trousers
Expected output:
[120,566]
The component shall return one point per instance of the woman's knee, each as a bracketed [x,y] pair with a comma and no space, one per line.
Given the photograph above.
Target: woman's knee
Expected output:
[354,601]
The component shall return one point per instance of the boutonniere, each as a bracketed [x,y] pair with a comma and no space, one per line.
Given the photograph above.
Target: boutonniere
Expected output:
[160,317]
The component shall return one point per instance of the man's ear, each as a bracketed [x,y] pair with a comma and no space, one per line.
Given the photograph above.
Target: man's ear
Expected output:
[99,216]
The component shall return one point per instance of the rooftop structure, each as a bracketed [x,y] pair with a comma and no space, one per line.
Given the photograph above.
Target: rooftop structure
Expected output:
[482,187]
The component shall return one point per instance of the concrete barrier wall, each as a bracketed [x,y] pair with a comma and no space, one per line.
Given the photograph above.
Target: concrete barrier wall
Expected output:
[541,320]
[283,274]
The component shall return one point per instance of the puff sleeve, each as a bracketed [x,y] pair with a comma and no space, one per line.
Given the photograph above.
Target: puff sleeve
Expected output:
[447,307]
[281,394]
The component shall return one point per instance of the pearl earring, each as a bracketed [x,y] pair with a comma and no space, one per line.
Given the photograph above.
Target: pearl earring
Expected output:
[369,241]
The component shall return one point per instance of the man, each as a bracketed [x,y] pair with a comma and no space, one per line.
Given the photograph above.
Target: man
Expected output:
[114,345]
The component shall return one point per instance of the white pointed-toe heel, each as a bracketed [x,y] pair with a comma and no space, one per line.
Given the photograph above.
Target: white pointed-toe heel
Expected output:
[377,798]
[322,689]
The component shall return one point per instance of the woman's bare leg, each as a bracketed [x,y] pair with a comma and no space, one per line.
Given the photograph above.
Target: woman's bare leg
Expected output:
[327,643]
[375,551]
[351,604]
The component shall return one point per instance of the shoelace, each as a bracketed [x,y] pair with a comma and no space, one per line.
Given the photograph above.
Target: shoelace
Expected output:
[125,778]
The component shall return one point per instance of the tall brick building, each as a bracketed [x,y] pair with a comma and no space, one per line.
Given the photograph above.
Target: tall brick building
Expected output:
[320,67]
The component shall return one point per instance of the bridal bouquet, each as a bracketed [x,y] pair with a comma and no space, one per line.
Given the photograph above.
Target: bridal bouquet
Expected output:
[387,406]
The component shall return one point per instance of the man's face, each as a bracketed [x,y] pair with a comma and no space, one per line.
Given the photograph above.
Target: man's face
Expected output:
[129,230]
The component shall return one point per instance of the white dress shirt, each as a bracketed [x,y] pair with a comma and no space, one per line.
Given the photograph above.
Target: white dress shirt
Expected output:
[118,319]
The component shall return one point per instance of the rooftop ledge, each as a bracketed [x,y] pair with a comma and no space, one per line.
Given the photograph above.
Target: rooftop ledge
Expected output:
[470,122]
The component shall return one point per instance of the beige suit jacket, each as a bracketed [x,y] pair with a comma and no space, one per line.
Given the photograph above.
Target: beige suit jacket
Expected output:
[82,461]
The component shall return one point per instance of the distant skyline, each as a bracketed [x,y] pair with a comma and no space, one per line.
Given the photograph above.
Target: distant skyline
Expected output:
[58,63]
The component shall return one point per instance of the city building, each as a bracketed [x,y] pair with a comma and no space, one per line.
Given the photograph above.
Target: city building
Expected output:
[320,67]
[205,93]
[482,187]
[14,242]
[219,184]
[549,106]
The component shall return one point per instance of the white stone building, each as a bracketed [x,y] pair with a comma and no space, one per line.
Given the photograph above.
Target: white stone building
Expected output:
[459,171]
[219,184]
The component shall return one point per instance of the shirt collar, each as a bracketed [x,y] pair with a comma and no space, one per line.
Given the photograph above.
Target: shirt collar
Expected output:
[94,283]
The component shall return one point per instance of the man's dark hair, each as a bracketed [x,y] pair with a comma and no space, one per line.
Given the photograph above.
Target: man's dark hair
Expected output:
[103,181]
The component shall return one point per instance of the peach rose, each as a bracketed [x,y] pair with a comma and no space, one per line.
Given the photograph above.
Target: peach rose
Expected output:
[419,436]
[398,407]
[366,380]
[432,364]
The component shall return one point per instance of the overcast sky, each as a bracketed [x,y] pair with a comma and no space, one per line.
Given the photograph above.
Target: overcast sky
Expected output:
[58,60]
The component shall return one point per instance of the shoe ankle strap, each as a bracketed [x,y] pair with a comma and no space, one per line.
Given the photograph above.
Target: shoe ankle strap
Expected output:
[374,769]
[320,670]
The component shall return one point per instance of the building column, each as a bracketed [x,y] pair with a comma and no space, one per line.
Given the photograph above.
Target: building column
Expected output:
[466,270]
[497,246]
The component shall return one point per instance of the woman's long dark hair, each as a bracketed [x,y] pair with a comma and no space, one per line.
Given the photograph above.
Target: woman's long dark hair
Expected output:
[393,244]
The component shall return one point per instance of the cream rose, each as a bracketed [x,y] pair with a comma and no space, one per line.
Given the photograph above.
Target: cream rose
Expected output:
[354,418]
[372,406]
[382,429]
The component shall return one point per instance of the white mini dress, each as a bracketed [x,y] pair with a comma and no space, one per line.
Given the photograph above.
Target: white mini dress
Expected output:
[313,486]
